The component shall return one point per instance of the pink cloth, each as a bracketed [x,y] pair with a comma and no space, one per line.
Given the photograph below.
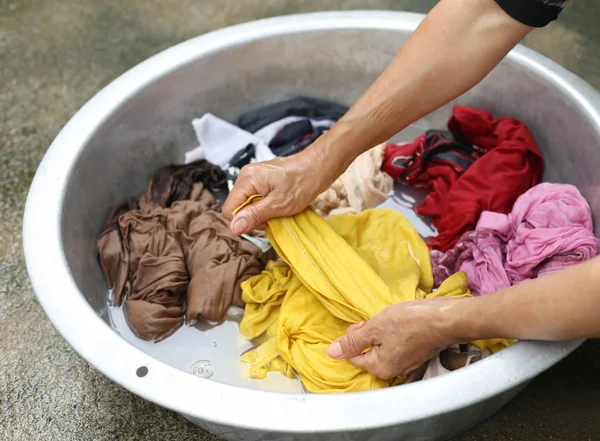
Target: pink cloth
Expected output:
[481,255]
[549,228]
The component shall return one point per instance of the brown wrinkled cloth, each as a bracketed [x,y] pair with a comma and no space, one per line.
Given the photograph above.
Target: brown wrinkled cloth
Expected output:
[174,250]
[364,185]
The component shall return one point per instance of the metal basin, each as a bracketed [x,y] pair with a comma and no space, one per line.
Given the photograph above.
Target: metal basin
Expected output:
[141,121]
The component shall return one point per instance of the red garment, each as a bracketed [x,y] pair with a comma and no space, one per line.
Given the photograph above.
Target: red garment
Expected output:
[511,164]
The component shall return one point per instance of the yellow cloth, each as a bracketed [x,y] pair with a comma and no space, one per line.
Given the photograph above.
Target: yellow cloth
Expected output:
[337,272]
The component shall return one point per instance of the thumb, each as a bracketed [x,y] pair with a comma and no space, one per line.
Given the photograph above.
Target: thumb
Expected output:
[351,344]
[253,216]
[355,327]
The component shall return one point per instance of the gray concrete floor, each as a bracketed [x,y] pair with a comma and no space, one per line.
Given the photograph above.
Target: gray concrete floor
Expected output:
[54,56]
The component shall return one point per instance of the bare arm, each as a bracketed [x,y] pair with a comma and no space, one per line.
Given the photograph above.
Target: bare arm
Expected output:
[559,306]
[456,45]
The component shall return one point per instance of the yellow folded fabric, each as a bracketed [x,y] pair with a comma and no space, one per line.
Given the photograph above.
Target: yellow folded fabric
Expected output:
[337,272]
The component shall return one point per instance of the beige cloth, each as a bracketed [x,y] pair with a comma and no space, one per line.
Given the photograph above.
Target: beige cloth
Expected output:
[363,185]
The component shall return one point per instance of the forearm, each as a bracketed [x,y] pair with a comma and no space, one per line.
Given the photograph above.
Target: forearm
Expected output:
[559,306]
[455,46]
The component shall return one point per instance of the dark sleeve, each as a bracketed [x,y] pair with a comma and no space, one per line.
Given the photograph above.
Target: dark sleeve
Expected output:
[535,13]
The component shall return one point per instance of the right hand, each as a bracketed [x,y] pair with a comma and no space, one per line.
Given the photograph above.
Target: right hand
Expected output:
[288,185]
[403,337]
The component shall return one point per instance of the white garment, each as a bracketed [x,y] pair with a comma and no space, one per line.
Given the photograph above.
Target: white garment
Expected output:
[194,155]
[220,140]
[435,368]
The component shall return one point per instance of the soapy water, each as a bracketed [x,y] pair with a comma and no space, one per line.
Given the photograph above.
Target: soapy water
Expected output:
[202,368]
[206,352]
[212,350]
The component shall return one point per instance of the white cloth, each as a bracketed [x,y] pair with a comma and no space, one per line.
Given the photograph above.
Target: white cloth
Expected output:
[220,140]
[194,155]
[435,368]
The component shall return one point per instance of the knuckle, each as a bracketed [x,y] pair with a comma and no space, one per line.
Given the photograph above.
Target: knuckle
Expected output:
[349,343]
[248,169]
[374,328]
[255,215]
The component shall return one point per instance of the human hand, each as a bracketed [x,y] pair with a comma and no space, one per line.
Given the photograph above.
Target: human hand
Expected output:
[288,184]
[402,338]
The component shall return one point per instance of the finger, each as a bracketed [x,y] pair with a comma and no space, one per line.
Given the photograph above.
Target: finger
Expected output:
[253,216]
[352,344]
[367,362]
[241,191]
[355,327]
[376,364]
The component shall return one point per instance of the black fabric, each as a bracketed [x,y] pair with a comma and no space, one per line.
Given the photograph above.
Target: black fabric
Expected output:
[443,145]
[240,159]
[290,134]
[294,138]
[534,13]
[213,178]
[243,157]
[308,107]
[175,182]
[301,144]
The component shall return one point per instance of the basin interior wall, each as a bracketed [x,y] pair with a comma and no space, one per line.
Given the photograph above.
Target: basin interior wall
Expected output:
[152,128]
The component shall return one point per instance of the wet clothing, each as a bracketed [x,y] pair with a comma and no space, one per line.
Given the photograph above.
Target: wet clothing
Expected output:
[484,165]
[363,185]
[549,228]
[307,107]
[170,257]
[336,272]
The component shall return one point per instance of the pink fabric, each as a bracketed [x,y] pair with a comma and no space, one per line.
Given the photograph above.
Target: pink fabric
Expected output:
[481,255]
[549,228]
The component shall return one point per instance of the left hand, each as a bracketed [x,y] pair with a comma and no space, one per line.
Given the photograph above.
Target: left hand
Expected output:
[402,338]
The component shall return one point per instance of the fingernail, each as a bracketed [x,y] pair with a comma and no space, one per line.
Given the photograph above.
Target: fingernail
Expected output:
[335,350]
[239,225]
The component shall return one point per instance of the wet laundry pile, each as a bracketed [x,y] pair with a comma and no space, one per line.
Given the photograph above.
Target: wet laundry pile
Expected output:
[283,129]
[170,258]
[549,228]
[334,273]
[479,164]
[495,222]
[279,129]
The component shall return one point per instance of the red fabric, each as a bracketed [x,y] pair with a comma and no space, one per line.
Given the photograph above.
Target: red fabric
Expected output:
[510,165]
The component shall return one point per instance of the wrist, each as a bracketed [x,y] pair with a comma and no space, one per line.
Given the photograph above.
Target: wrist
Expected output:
[326,160]
[462,320]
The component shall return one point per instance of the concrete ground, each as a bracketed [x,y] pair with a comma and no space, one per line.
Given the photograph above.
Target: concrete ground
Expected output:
[54,56]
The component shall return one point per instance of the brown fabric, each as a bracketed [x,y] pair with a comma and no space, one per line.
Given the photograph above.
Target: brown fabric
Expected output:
[218,263]
[164,254]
